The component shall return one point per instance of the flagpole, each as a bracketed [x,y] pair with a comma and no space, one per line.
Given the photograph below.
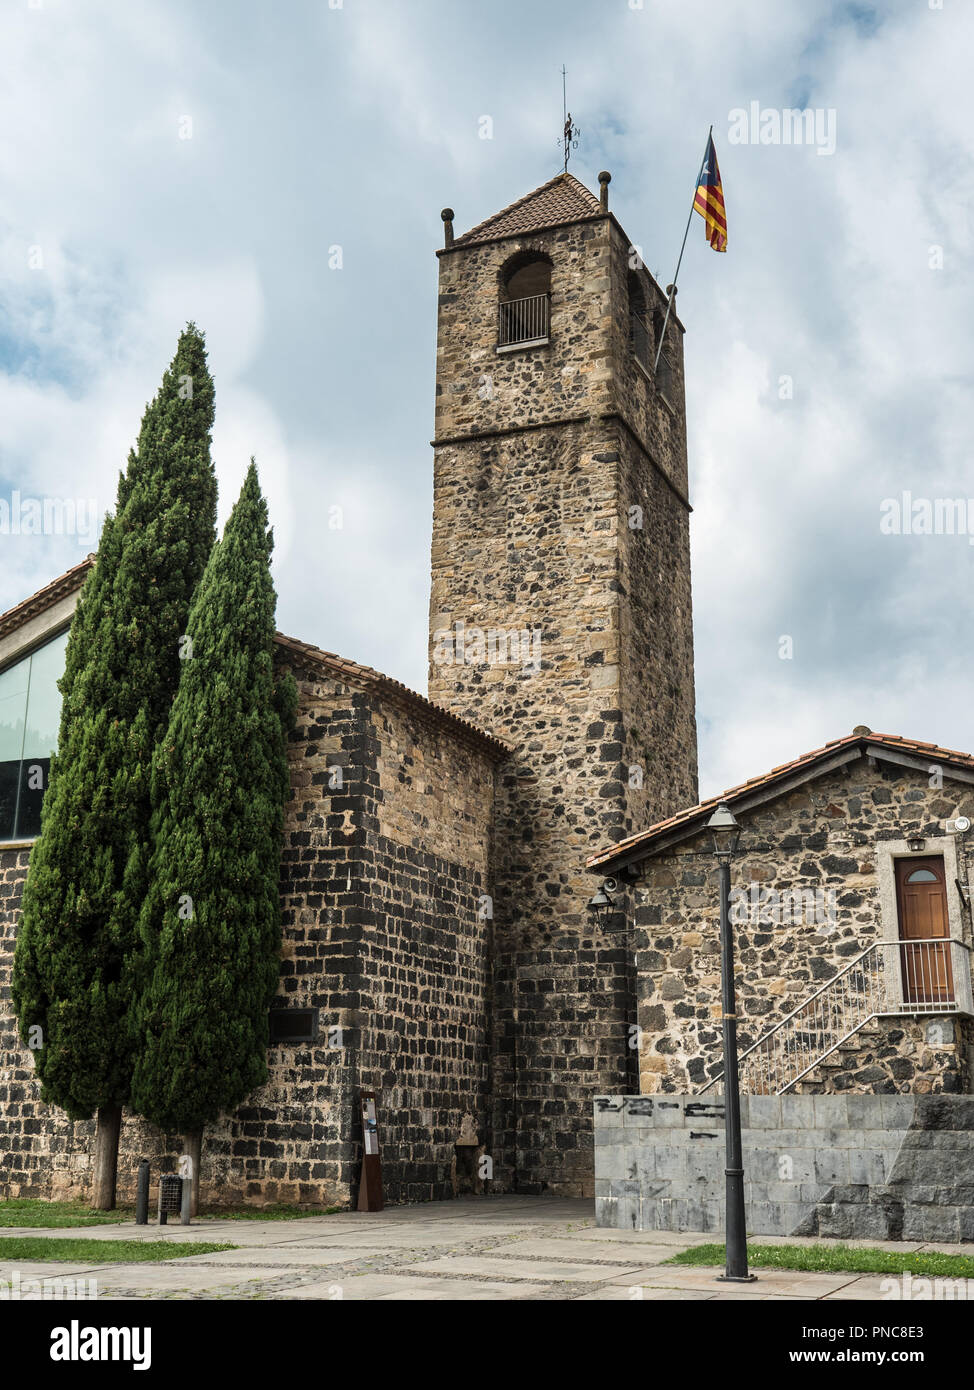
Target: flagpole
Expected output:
[669,301]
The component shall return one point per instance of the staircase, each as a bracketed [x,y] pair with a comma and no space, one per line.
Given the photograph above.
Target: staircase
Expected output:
[889,979]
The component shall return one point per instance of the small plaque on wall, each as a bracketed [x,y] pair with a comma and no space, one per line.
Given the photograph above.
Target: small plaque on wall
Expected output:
[370,1186]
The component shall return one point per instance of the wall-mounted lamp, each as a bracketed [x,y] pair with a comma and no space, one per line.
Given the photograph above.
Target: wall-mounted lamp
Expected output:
[602,905]
[915,843]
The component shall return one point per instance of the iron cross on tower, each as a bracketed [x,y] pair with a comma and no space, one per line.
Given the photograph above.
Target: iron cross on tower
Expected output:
[571,132]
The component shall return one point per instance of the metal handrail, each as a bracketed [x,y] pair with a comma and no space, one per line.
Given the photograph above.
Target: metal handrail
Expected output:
[522,320]
[828,1023]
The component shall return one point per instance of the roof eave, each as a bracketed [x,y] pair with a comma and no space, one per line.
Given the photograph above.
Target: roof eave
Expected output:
[388,688]
[461,245]
[745,798]
[37,603]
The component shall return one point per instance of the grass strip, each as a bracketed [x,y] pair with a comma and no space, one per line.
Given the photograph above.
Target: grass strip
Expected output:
[280,1212]
[840,1258]
[31,1211]
[69,1249]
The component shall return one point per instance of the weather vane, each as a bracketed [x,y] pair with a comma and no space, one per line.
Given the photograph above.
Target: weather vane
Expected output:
[571,132]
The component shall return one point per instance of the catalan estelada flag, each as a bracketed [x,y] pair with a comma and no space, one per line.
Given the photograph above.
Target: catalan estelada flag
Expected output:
[709,200]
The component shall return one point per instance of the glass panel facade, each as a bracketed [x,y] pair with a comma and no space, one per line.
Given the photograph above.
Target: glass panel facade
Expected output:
[30,710]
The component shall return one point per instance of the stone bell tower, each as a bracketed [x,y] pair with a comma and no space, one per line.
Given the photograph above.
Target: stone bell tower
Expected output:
[560,620]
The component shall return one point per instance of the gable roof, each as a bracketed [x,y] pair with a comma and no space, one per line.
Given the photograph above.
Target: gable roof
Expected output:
[562,199]
[862,742]
[365,678]
[45,598]
[362,677]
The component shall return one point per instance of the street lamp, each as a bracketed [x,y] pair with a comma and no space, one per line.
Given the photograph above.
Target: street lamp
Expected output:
[726,833]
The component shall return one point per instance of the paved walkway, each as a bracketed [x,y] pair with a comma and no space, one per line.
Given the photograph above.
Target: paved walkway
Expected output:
[480,1248]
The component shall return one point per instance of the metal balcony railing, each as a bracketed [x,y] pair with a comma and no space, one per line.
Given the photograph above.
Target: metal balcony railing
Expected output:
[521,321]
[890,978]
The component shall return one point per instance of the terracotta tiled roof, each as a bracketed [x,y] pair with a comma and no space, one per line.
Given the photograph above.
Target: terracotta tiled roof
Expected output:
[562,199]
[363,677]
[687,819]
[45,598]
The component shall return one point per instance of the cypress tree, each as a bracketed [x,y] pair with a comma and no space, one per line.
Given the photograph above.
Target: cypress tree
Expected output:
[78,937]
[211,922]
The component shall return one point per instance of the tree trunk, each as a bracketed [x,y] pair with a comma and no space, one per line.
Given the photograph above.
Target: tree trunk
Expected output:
[107,1128]
[192,1144]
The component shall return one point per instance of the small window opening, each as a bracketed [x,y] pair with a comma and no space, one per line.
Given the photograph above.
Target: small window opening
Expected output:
[640,333]
[525,298]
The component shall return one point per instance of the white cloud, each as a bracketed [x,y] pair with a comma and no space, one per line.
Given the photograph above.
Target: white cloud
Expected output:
[354,127]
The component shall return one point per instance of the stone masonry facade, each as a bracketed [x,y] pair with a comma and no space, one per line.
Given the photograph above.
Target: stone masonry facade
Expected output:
[434,886]
[385,869]
[560,510]
[824,840]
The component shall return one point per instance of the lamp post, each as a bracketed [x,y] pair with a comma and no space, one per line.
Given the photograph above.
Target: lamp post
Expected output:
[726,832]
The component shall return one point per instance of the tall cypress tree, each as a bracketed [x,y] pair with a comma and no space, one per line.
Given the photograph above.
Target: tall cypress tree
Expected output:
[211,922]
[78,935]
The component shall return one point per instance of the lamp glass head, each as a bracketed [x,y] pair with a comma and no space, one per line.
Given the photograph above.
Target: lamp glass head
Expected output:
[725,831]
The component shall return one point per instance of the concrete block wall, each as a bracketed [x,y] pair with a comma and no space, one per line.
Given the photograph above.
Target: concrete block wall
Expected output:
[890,1167]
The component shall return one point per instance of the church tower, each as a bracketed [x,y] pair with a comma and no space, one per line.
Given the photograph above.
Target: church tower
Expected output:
[560,621]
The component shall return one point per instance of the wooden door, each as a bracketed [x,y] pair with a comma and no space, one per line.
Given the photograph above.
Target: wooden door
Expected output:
[921,896]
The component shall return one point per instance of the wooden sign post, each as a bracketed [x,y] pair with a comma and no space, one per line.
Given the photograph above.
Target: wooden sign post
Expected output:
[370,1185]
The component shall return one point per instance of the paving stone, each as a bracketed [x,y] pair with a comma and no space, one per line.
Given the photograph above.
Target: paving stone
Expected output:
[410,1238]
[551,1249]
[515,1249]
[638,1239]
[614,1294]
[285,1256]
[869,1287]
[513,1268]
[18,1271]
[406,1288]
[177,1275]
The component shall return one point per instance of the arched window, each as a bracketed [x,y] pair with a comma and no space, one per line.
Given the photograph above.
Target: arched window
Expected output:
[922,876]
[640,337]
[525,295]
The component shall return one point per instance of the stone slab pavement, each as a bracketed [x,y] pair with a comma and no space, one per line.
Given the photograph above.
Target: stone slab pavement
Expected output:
[481,1248]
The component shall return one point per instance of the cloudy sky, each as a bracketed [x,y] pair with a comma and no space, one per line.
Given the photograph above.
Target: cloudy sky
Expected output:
[168,160]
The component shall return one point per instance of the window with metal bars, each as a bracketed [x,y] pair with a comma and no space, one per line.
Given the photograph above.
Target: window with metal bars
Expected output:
[524,306]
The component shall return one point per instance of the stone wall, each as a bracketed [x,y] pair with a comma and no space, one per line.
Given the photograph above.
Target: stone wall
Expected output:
[424,949]
[820,839]
[543,457]
[384,869]
[865,1167]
